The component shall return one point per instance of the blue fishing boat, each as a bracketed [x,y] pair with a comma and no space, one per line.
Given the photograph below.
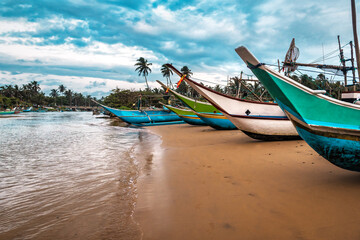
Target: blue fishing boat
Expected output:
[216,120]
[143,116]
[328,125]
[30,109]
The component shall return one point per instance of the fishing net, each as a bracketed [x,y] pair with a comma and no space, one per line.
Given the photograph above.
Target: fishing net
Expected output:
[291,56]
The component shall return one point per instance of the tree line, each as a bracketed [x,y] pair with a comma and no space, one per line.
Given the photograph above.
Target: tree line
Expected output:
[31,95]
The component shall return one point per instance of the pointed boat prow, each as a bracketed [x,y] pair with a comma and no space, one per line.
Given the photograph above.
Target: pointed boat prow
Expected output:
[247,57]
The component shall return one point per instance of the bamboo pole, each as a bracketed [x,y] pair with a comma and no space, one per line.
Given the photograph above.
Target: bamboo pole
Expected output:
[352,63]
[356,42]
[342,60]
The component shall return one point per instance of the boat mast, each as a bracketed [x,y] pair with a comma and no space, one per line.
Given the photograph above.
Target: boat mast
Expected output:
[342,60]
[352,62]
[356,42]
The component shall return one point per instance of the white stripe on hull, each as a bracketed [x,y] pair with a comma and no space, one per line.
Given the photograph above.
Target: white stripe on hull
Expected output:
[264,126]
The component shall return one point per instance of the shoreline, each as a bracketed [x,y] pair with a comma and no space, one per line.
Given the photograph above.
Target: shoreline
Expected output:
[208,184]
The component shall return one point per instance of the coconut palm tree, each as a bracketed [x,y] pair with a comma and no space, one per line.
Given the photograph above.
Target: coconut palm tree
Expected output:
[35,87]
[166,72]
[61,89]
[183,87]
[143,68]
[186,71]
[69,94]
[54,94]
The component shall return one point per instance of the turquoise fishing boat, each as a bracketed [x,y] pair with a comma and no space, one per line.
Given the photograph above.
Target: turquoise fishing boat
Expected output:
[143,116]
[216,120]
[210,114]
[6,112]
[330,126]
[30,109]
[187,115]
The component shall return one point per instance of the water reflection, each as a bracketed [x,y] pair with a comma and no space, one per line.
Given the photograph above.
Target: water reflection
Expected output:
[69,174]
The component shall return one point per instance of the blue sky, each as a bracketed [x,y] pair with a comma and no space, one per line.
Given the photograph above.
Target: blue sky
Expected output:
[91,46]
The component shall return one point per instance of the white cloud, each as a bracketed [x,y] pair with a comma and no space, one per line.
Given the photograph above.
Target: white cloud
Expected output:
[189,24]
[164,14]
[96,54]
[17,25]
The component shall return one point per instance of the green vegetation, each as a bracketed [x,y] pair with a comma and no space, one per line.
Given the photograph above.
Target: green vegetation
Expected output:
[143,69]
[131,99]
[31,95]
[333,88]
[166,72]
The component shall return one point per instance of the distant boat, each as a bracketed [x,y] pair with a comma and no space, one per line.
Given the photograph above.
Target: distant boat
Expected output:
[143,116]
[16,110]
[209,114]
[259,120]
[187,115]
[28,110]
[6,112]
[328,125]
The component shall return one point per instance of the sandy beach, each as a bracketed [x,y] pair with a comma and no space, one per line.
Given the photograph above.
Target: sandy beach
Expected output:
[208,184]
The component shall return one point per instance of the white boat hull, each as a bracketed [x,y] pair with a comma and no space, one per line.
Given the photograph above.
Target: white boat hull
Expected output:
[265,121]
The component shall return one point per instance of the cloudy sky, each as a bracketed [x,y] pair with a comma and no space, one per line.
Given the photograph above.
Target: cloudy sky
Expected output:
[91,46]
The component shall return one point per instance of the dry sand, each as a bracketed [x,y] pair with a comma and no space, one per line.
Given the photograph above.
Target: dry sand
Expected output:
[208,184]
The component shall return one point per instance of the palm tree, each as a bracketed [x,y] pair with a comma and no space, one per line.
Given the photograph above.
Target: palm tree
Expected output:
[183,87]
[143,68]
[35,87]
[68,93]
[88,99]
[62,89]
[186,71]
[54,94]
[166,72]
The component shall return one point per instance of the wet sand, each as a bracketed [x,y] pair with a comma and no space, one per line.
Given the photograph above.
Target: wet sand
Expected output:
[208,184]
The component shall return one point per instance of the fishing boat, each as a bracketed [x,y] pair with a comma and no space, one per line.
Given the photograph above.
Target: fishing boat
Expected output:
[6,112]
[216,120]
[151,116]
[259,120]
[204,110]
[198,106]
[30,109]
[328,125]
[187,115]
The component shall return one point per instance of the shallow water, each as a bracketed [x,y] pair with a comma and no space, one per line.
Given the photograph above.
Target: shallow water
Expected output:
[69,176]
